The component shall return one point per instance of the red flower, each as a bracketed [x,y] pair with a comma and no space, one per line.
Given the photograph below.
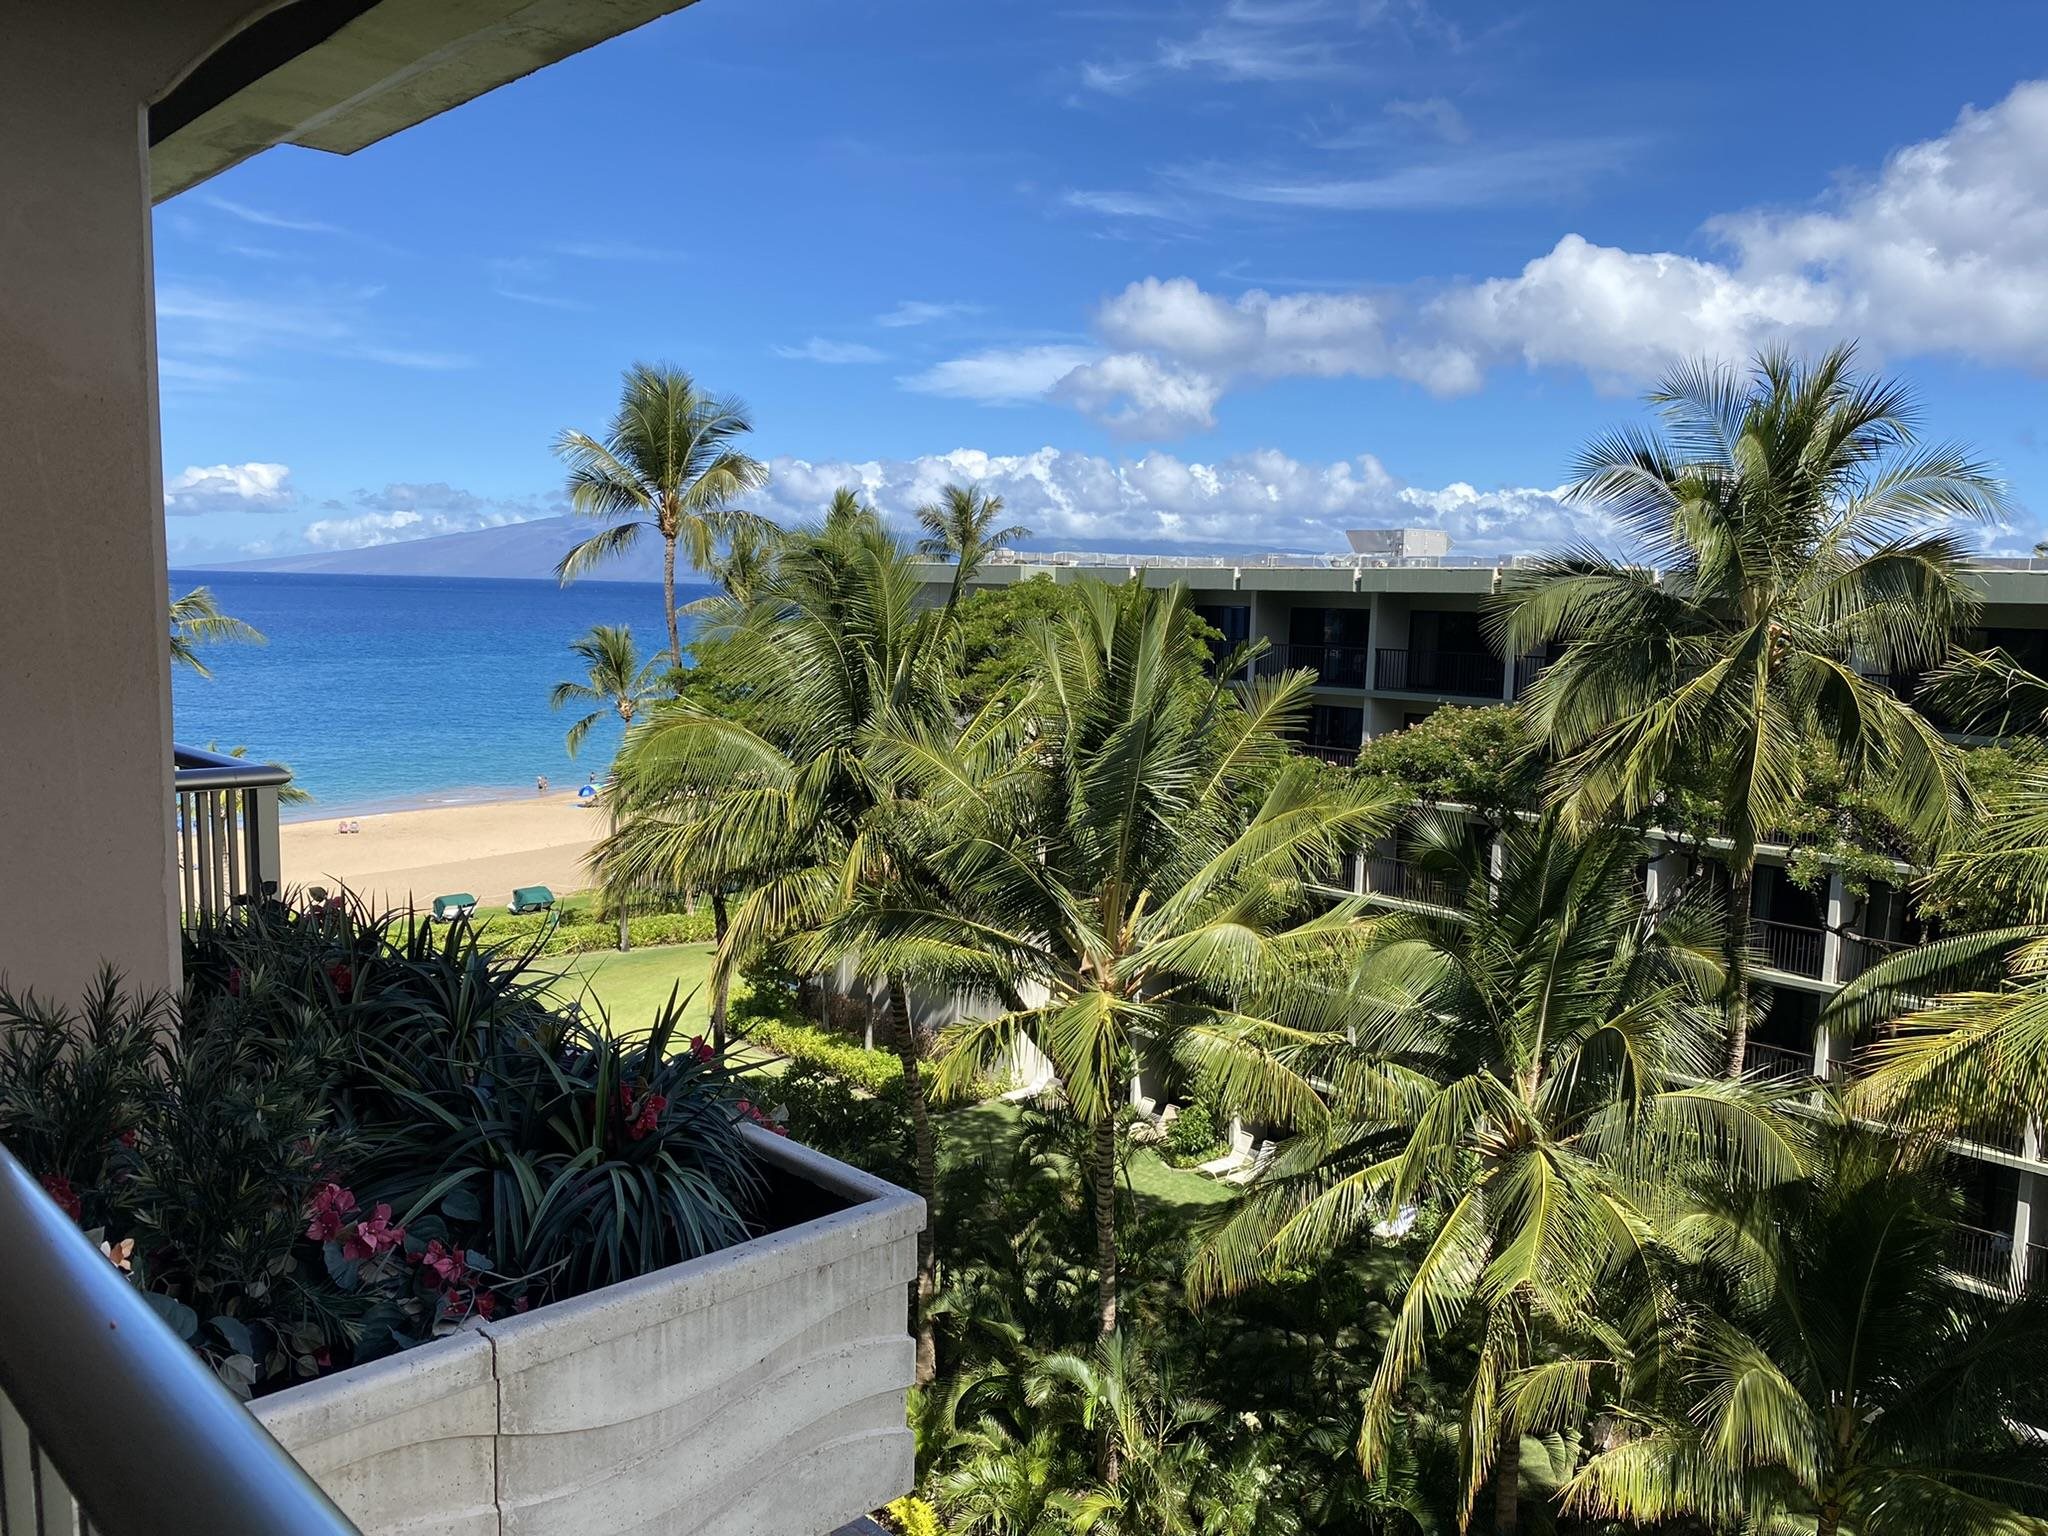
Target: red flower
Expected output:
[331,1208]
[486,1303]
[126,1138]
[368,1238]
[752,1111]
[649,1118]
[699,1049]
[520,1304]
[448,1263]
[234,981]
[341,978]
[59,1189]
[323,1358]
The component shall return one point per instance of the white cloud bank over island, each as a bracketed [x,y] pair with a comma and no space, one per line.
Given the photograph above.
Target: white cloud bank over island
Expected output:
[1263,500]
[1942,252]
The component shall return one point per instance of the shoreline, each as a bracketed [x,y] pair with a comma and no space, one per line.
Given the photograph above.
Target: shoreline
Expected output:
[485,847]
[405,802]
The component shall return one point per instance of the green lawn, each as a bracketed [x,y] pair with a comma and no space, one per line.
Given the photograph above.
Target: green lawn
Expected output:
[632,987]
[986,1132]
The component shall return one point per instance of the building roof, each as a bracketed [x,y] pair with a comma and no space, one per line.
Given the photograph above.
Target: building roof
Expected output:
[339,75]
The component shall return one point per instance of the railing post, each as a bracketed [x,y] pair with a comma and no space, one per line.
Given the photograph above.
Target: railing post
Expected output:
[1834,964]
[265,862]
[2023,1207]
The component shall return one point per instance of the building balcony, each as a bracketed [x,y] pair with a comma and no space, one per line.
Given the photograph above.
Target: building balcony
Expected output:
[226,830]
[1328,752]
[1457,674]
[1792,948]
[1778,1063]
[1399,880]
[1335,666]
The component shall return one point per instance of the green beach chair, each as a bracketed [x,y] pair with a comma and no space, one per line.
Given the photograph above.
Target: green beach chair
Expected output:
[532,898]
[448,908]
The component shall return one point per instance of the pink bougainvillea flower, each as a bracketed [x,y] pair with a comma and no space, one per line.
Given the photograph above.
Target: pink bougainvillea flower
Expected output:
[331,1208]
[372,1235]
[59,1189]
[649,1119]
[699,1049]
[448,1263]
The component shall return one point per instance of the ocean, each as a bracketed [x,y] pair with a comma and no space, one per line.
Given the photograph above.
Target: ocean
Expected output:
[394,692]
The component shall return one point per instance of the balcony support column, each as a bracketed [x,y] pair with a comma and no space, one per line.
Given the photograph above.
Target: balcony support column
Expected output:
[1834,962]
[86,862]
[2030,1191]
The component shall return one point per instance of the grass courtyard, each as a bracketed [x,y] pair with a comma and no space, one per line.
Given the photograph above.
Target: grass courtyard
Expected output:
[631,988]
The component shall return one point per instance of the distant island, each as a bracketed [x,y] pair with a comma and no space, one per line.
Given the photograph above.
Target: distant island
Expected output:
[516,551]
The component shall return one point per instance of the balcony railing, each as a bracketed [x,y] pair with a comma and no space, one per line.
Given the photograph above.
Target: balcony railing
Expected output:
[227,830]
[1778,1063]
[1467,674]
[1860,953]
[1983,1255]
[1527,670]
[1328,752]
[1402,881]
[1335,666]
[107,1411]
[1790,948]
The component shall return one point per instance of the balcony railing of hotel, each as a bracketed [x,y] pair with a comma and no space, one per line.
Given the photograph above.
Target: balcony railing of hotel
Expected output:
[1328,752]
[226,829]
[1335,666]
[1985,1256]
[1467,674]
[1527,670]
[1790,947]
[1778,1063]
[106,1409]
[1402,881]
[1860,952]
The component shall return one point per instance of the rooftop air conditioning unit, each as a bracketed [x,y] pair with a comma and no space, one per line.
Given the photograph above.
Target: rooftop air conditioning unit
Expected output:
[1399,543]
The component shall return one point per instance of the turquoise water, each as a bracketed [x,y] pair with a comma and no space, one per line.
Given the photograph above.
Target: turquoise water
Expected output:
[389,692]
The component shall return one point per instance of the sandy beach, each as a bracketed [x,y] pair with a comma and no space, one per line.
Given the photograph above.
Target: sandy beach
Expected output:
[485,849]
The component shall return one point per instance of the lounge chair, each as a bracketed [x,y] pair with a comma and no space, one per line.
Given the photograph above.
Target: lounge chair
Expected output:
[448,908]
[1239,1154]
[1251,1170]
[532,898]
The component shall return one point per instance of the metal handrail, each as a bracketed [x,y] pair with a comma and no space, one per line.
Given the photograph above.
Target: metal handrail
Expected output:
[1463,674]
[199,768]
[143,1435]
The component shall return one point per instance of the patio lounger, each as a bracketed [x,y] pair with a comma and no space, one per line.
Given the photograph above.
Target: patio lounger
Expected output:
[1239,1154]
[532,898]
[1255,1167]
[448,908]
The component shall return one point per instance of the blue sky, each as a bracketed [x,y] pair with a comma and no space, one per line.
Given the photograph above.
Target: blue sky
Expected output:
[1205,275]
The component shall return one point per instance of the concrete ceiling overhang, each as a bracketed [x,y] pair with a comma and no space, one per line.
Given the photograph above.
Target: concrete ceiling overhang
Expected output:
[341,74]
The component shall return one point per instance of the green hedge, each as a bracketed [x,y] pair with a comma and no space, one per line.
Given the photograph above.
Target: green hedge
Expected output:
[580,934]
[877,1072]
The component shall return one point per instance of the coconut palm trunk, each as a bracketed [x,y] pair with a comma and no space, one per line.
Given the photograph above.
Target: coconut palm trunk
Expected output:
[721,982]
[1741,885]
[904,1029]
[1105,1226]
[668,598]
[1507,1489]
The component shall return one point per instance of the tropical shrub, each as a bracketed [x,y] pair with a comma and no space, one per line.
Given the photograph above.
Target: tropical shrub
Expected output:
[1194,1134]
[1476,757]
[821,1109]
[352,1133]
[579,933]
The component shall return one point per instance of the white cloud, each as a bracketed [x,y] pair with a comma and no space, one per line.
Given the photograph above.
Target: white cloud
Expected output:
[259,217]
[819,350]
[229,488]
[1437,114]
[1944,251]
[924,312]
[1124,205]
[1263,500]
[330,321]
[1139,396]
[1515,174]
[1001,376]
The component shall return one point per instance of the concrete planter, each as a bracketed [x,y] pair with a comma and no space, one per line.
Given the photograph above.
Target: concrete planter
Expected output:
[758,1391]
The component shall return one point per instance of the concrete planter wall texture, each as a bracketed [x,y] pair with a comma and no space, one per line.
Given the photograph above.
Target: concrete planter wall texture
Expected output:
[754,1392]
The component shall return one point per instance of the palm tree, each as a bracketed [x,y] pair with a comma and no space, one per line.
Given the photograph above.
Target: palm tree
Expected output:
[1791,539]
[616,680]
[788,802]
[196,620]
[960,526]
[1132,855]
[667,462]
[1840,1380]
[1514,1077]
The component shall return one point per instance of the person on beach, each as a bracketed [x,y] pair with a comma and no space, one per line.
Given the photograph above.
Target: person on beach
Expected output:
[540,784]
